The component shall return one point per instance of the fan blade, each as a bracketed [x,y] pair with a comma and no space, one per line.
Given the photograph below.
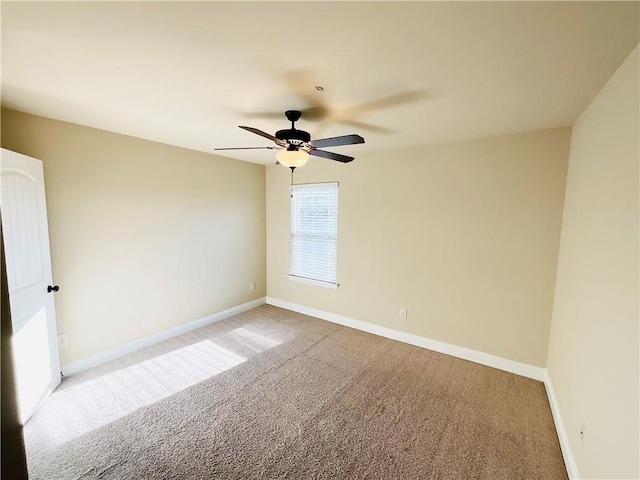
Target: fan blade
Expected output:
[331,155]
[335,141]
[386,102]
[264,134]
[366,126]
[247,148]
[277,115]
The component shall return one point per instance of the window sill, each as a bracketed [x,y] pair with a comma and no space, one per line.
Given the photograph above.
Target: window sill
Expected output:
[310,281]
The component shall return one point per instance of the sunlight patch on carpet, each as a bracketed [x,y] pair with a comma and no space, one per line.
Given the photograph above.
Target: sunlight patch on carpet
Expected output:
[95,403]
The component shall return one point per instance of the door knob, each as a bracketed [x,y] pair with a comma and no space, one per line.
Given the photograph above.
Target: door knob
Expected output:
[53,288]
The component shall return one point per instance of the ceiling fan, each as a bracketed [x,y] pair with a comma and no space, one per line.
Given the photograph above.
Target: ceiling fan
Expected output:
[294,146]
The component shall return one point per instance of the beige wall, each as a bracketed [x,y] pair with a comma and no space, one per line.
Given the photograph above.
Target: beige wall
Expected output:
[144,236]
[464,235]
[593,351]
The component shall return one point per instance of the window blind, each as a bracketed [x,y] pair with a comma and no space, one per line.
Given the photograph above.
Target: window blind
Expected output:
[314,231]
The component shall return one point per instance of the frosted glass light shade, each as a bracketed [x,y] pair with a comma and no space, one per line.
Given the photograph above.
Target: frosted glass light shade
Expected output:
[292,158]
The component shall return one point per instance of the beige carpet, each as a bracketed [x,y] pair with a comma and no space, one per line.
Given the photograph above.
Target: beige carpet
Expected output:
[274,394]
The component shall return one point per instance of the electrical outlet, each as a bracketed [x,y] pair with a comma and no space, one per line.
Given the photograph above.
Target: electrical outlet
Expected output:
[403,314]
[63,340]
[252,287]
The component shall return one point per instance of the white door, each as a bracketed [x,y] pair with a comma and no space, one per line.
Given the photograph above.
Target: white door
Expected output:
[26,241]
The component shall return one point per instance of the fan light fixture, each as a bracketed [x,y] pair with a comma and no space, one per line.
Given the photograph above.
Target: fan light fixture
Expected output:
[292,157]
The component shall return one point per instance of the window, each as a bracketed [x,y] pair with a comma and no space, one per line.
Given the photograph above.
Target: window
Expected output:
[314,233]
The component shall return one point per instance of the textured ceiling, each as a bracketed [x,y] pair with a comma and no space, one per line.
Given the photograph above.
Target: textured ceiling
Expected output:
[398,73]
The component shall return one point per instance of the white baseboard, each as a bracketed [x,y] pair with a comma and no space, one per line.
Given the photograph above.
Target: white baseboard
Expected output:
[104,357]
[523,369]
[569,460]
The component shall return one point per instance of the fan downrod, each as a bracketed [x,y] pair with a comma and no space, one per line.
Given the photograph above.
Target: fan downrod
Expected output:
[287,135]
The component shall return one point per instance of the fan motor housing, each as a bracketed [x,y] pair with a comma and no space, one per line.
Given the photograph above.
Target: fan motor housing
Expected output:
[293,134]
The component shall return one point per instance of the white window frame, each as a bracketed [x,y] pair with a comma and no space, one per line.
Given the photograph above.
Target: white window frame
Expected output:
[329,232]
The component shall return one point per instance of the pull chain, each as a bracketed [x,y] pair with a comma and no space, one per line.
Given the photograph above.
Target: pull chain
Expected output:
[291,185]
